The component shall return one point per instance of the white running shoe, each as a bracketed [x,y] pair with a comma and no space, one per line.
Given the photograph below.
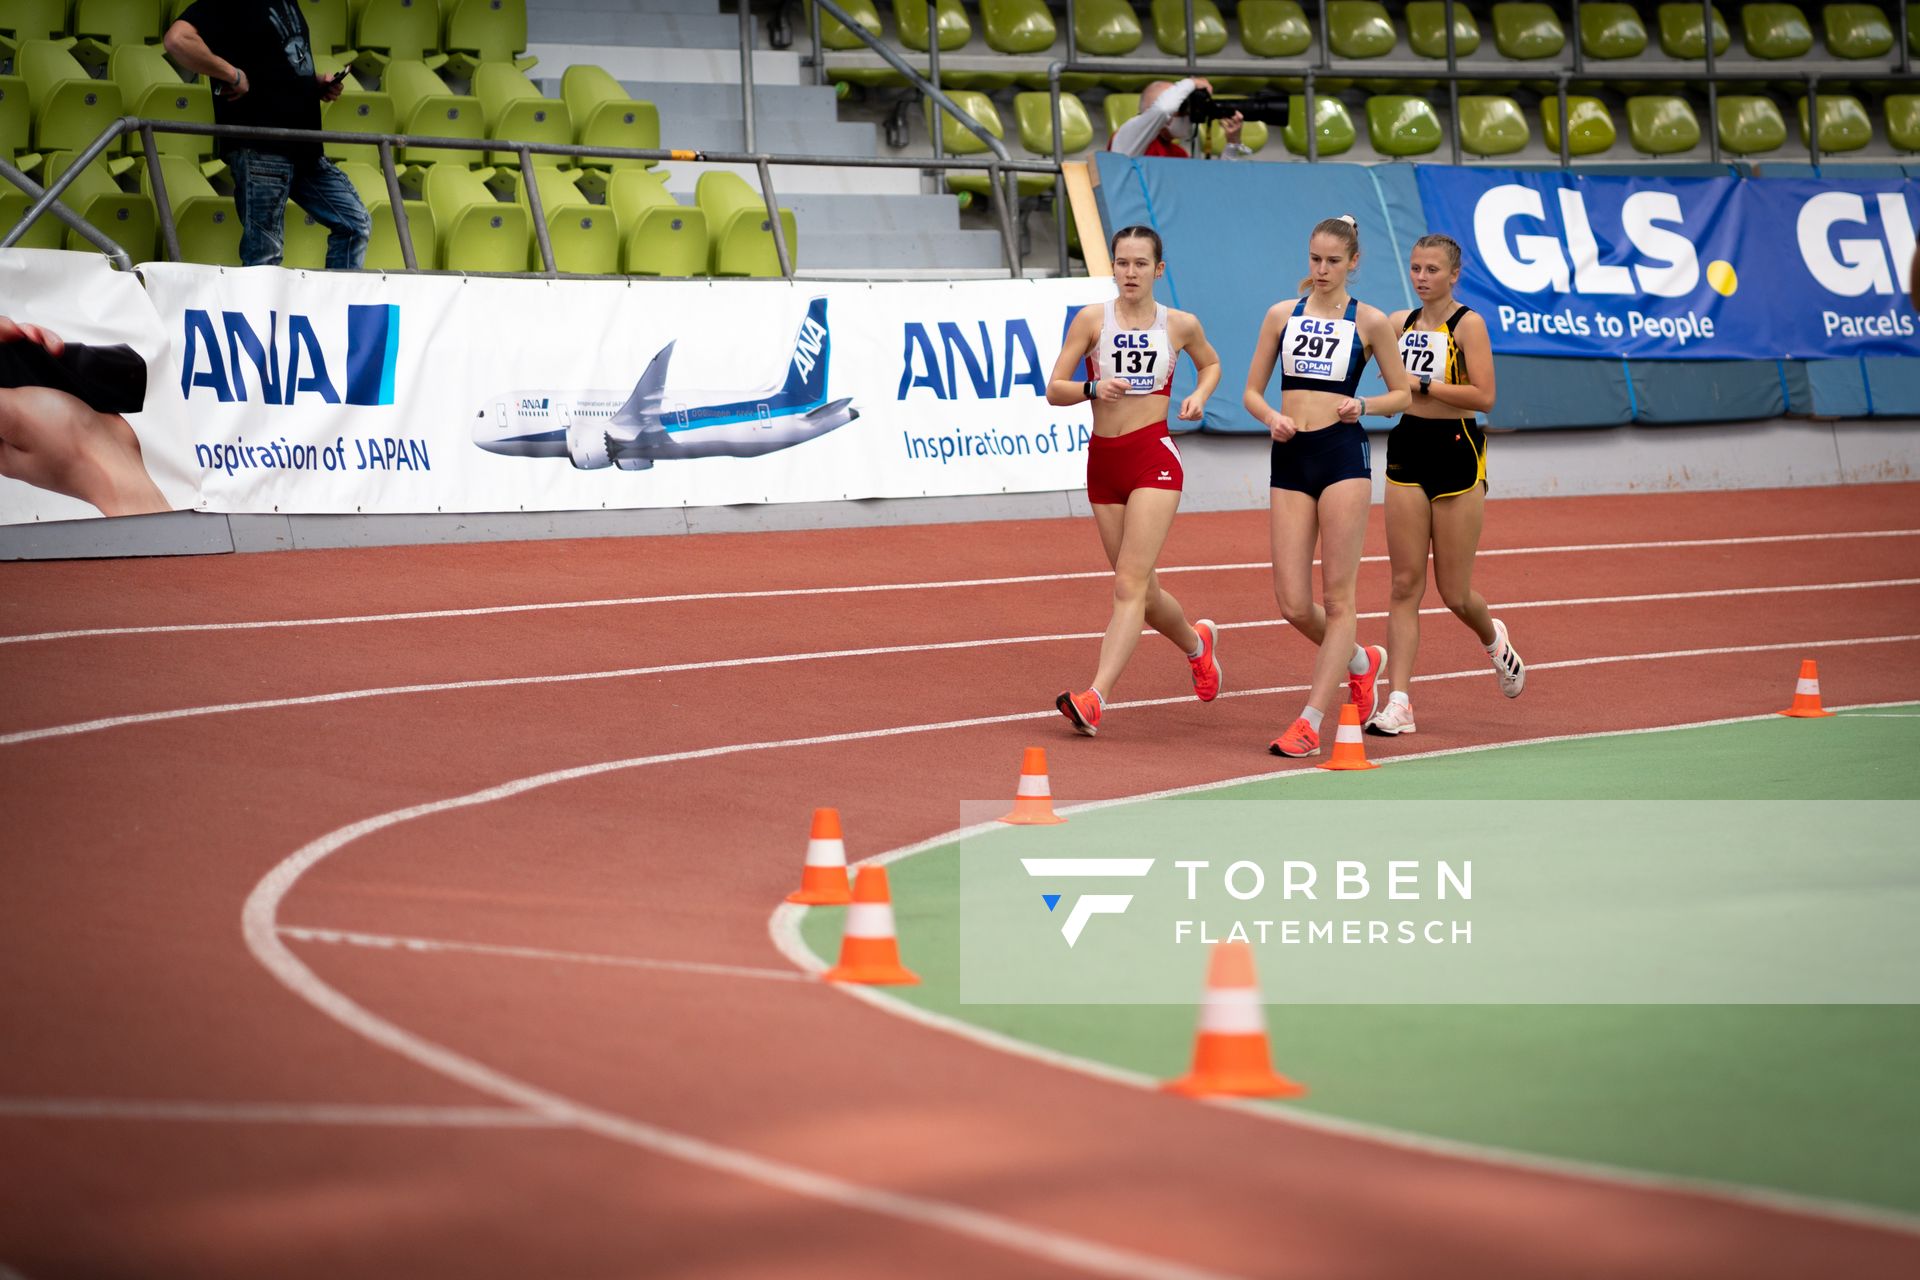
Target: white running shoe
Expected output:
[1507,664]
[1395,718]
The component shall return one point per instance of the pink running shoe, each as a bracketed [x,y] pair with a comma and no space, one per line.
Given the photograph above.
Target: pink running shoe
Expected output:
[1300,740]
[1206,667]
[1083,709]
[1365,688]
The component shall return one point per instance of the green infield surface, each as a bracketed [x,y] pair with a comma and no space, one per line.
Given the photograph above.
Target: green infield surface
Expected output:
[1811,1100]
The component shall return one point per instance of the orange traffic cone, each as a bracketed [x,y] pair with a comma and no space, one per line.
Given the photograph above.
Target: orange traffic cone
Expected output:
[868,950]
[1230,1052]
[1033,802]
[823,881]
[1349,747]
[1806,693]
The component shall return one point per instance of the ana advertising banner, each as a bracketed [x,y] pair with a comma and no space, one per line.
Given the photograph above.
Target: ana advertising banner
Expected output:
[1682,268]
[284,391]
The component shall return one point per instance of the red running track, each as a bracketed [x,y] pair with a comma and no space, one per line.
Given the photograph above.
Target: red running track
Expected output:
[535,1115]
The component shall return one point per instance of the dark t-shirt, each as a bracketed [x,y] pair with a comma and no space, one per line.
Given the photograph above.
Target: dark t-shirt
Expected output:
[268,40]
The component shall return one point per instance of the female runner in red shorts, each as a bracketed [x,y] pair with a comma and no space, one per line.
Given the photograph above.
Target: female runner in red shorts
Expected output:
[1133,469]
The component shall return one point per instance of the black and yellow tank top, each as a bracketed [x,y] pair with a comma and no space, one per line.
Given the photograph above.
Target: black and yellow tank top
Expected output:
[1433,352]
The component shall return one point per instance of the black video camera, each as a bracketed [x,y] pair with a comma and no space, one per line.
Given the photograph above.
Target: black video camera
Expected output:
[1203,108]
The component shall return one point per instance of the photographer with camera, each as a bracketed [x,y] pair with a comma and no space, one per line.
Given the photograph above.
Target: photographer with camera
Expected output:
[258,56]
[1170,113]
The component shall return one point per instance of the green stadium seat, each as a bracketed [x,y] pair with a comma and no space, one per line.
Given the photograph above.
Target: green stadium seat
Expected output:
[739,237]
[659,236]
[1403,125]
[477,232]
[1427,28]
[70,109]
[1018,26]
[1612,31]
[1107,28]
[326,25]
[911,18]
[585,236]
[1775,30]
[1682,36]
[1589,125]
[47,232]
[1333,126]
[1527,32]
[1750,124]
[113,22]
[16,121]
[961,141]
[152,89]
[515,111]
[1492,125]
[1033,112]
[834,35]
[127,218]
[1120,108]
[1359,29]
[303,242]
[1858,30]
[604,115]
[425,107]
[204,220]
[1662,124]
[1844,123]
[383,249]
[1903,120]
[386,31]
[479,32]
[1274,28]
[34,19]
[358,110]
[1170,27]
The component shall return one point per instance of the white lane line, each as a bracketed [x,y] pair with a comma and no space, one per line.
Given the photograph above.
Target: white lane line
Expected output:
[391,942]
[8,1273]
[322,1113]
[785,923]
[1885,715]
[626,673]
[940,585]
[261,929]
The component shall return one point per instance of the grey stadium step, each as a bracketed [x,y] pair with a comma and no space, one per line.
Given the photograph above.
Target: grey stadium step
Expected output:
[858,215]
[699,66]
[722,101]
[826,248]
[654,30]
[787,137]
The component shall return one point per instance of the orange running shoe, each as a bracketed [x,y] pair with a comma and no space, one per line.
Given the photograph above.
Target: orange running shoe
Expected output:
[1083,709]
[1300,740]
[1206,667]
[1364,689]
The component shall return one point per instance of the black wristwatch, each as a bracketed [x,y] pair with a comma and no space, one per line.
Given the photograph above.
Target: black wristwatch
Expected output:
[1090,387]
[1426,380]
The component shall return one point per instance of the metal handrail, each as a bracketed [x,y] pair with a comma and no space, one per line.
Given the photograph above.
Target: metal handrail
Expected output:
[48,198]
[1563,77]
[96,237]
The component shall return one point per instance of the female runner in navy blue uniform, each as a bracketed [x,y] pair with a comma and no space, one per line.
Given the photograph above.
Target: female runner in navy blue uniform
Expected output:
[1322,478]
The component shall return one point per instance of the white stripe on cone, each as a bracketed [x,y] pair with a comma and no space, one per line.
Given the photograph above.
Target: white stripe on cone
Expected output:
[1807,686]
[870,920]
[826,853]
[1034,784]
[1348,733]
[1233,1011]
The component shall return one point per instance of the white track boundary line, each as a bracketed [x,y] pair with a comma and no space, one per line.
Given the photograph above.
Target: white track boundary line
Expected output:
[783,925]
[390,942]
[320,1113]
[261,930]
[676,668]
[941,585]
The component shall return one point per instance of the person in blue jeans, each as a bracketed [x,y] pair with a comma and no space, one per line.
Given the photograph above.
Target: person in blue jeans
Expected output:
[258,56]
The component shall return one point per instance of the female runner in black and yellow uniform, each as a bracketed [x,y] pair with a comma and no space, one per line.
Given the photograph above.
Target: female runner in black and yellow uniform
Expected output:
[1437,477]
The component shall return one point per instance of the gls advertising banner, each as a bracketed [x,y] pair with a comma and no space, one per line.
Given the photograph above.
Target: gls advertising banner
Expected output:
[1682,268]
[282,391]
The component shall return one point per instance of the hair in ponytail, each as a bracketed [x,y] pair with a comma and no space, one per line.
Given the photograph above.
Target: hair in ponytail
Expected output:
[1446,244]
[1148,234]
[1342,228]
